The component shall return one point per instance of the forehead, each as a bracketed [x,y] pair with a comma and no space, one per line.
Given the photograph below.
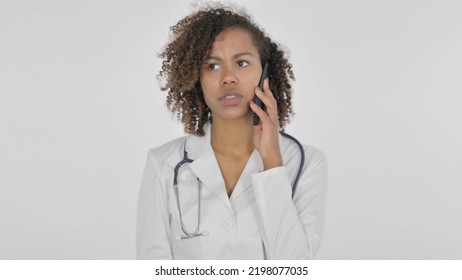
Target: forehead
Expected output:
[233,38]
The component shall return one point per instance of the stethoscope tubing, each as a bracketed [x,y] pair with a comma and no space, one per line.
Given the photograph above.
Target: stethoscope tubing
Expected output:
[186,159]
[302,160]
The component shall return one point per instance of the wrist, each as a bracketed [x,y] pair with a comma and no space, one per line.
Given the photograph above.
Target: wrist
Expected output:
[272,163]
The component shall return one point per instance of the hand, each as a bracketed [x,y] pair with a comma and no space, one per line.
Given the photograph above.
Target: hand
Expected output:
[266,133]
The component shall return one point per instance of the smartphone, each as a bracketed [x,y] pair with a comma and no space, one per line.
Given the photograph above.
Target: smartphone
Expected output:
[257,100]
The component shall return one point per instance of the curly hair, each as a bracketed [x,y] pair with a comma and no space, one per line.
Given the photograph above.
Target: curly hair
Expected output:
[191,42]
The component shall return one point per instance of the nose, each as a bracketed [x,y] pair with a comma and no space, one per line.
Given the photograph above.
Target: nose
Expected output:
[229,76]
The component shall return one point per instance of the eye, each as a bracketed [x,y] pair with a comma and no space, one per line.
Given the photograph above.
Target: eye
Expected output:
[213,66]
[242,63]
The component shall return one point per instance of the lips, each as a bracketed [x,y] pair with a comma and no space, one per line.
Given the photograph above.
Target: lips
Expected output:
[230,98]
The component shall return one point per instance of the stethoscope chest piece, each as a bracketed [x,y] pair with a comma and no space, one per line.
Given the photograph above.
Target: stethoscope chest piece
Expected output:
[187,233]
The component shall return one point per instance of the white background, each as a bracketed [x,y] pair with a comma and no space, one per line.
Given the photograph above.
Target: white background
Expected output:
[378,90]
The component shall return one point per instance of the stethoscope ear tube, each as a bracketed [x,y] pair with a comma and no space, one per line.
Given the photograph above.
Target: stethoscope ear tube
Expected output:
[197,232]
[177,167]
[302,160]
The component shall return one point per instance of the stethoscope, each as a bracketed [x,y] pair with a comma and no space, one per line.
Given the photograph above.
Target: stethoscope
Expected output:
[186,159]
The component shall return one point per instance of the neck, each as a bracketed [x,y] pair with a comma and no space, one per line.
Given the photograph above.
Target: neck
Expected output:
[232,136]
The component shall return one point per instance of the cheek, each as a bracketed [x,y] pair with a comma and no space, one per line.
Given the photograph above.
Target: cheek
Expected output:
[206,92]
[207,100]
[205,83]
[208,87]
[250,86]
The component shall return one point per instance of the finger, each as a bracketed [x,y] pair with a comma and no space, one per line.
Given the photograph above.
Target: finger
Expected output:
[273,109]
[269,109]
[270,94]
[268,99]
[266,96]
[259,111]
[266,86]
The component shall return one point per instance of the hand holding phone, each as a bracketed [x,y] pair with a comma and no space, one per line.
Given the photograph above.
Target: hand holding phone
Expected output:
[257,100]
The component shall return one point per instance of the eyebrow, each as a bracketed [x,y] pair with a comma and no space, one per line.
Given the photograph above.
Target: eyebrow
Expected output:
[234,56]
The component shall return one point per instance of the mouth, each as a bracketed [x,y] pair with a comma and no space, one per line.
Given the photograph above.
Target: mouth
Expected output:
[230,98]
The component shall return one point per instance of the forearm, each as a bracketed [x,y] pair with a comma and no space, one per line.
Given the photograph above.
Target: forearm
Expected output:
[292,229]
[282,233]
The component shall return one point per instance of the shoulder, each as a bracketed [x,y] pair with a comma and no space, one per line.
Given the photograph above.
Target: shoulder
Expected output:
[313,156]
[167,152]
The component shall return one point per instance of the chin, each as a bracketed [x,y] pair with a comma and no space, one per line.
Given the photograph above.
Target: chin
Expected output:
[235,117]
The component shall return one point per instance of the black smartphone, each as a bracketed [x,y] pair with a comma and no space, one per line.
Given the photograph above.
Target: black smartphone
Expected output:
[257,100]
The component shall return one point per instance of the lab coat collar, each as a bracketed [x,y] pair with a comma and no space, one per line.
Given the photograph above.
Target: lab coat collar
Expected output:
[207,169]
[196,146]
[254,165]
[200,145]
[205,164]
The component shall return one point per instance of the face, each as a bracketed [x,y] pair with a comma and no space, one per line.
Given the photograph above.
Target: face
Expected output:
[230,74]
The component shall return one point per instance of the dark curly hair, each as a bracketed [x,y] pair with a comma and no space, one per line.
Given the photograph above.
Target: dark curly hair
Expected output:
[191,41]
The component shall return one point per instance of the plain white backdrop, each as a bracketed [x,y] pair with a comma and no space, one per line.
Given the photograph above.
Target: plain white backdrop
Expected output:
[378,90]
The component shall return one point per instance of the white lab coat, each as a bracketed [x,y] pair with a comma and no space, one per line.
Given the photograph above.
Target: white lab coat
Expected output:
[259,221]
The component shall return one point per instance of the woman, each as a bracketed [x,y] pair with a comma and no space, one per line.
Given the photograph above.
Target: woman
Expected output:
[234,201]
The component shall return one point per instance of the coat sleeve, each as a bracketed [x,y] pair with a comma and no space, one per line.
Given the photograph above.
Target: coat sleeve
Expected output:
[152,228]
[292,229]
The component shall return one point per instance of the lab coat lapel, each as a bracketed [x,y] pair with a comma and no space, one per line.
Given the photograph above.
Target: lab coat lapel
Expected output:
[205,165]
[254,165]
